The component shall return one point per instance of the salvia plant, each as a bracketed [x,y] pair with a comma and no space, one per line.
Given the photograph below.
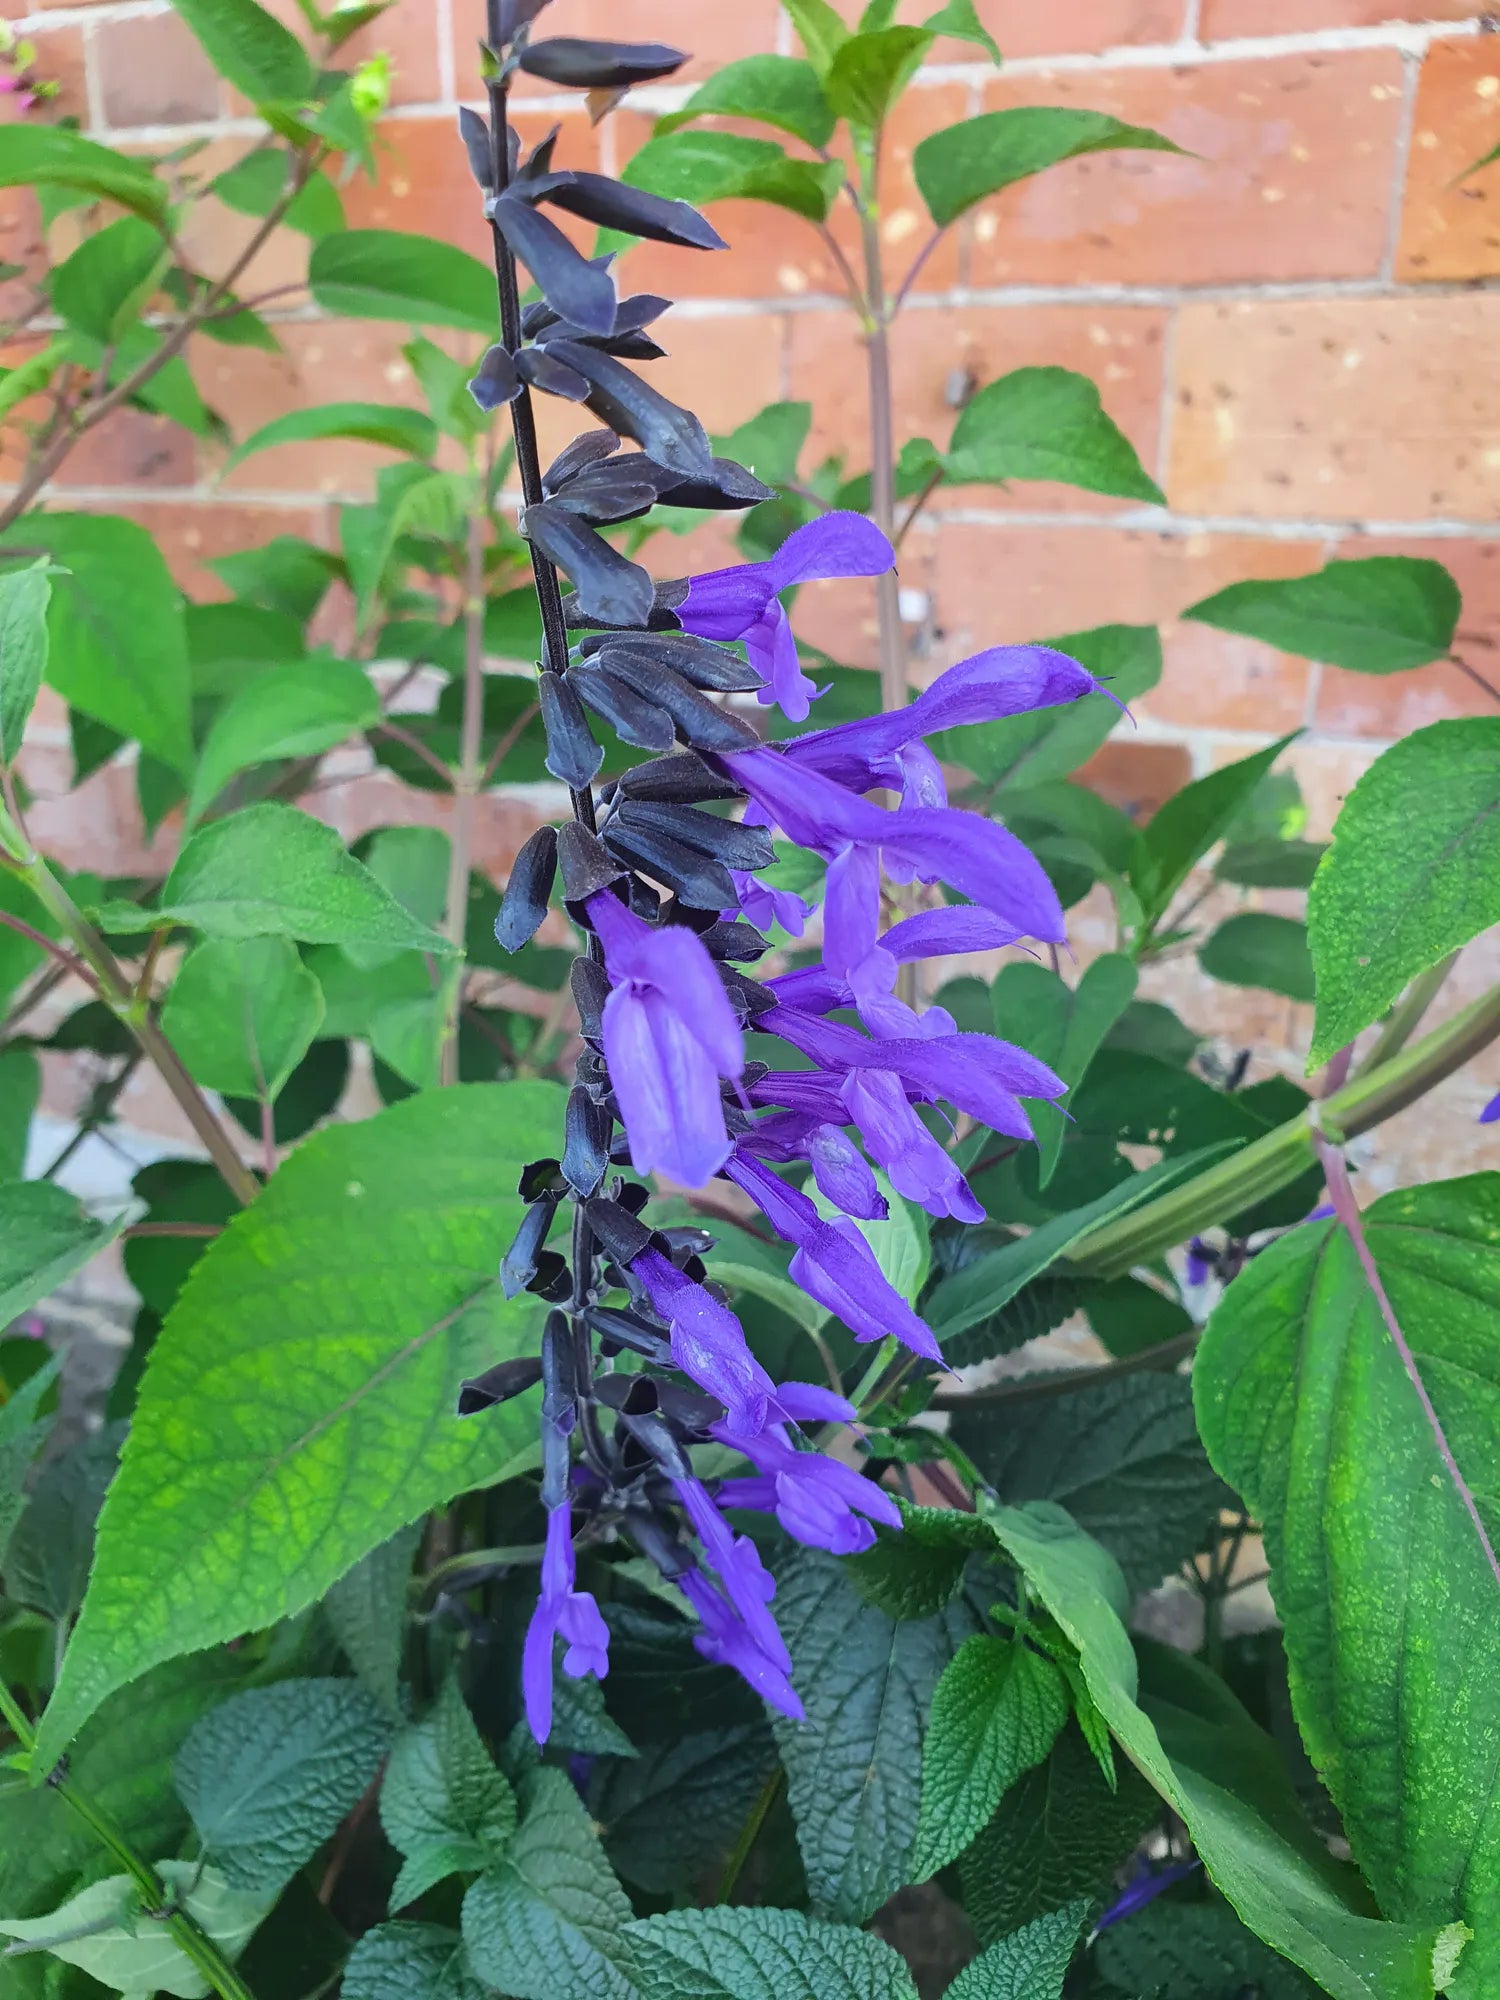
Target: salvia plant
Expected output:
[537,1542]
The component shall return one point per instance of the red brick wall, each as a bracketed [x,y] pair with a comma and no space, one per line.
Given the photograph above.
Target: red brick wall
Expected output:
[1293,324]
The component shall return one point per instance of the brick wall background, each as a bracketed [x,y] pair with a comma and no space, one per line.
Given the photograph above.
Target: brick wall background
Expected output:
[1296,326]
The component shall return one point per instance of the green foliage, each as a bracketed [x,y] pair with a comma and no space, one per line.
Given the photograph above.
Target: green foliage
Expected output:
[1255,948]
[250,49]
[367,1611]
[391,425]
[50,157]
[704,167]
[1045,423]
[108,1931]
[44,1238]
[868,71]
[1414,871]
[1183,830]
[410,1962]
[22,1435]
[968,162]
[23,650]
[382,274]
[1380,615]
[297,710]
[1029,1965]
[242,1014]
[1194,1951]
[774,90]
[443,1804]
[753,1955]
[1064,1026]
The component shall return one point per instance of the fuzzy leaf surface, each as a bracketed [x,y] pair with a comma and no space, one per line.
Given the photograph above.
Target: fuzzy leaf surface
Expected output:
[758,1954]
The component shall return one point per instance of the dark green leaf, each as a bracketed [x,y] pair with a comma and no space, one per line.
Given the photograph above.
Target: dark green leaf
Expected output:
[1029,1965]
[966,162]
[367,1611]
[770,443]
[1413,873]
[1194,1951]
[776,90]
[443,1804]
[1190,823]
[1148,1028]
[1254,948]
[250,49]
[670,1816]
[410,1962]
[23,651]
[916,1572]
[47,1558]
[702,167]
[388,274]
[44,1238]
[385,424]
[23,1432]
[1045,423]
[254,185]
[1064,1027]
[1270,863]
[755,1954]
[1380,615]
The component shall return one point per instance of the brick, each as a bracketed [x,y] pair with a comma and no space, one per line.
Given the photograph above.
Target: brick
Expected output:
[213,237]
[710,35]
[1223,20]
[1291,176]
[937,351]
[133,448]
[1137,777]
[189,533]
[377,799]
[1391,705]
[1450,226]
[1024,29]
[152,71]
[1346,408]
[407,31]
[60,59]
[997,585]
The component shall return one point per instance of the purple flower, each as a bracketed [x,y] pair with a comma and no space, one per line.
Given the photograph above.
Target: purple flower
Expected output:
[561,1611]
[1143,1890]
[728,1641]
[818,1500]
[765,906]
[896,1139]
[1200,1262]
[1491,1112]
[748,1585]
[669,1035]
[743,602]
[813,989]
[840,1170]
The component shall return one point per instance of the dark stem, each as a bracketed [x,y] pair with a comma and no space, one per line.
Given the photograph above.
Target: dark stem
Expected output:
[1039,1387]
[1473,674]
[750,1832]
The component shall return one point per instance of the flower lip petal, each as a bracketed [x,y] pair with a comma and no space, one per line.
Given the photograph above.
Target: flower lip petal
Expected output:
[837,544]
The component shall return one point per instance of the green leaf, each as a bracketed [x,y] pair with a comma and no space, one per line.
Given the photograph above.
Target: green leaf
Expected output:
[1254,948]
[1269,863]
[297,710]
[915,1572]
[1299,1374]
[271,871]
[109,277]
[250,49]
[758,1954]
[1059,1832]
[385,424]
[1194,1951]
[410,1962]
[108,1932]
[284,1429]
[44,1238]
[1190,823]
[771,442]
[24,594]
[703,167]
[1031,1964]
[1050,743]
[445,383]
[996,1712]
[443,1804]
[254,185]
[854,1766]
[1063,1027]
[958,18]
[1123,1457]
[1414,872]
[117,646]
[389,274]
[966,162]
[1045,423]
[269,1775]
[972,1294]
[670,1813]
[47,1559]
[286,574]
[1252,1840]
[550,1923]
[819,30]
[242,1013]
[53,158]
[869,71]
[1380,615]
[23,1432]
[776,90]
[367,1612]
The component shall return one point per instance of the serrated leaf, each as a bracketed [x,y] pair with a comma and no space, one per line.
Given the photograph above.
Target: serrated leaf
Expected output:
[1122,1456]
[854,1766]
[242,1013]
[1252,1839]
[1380,615]
[22,1435]
[259,1469]
[410,1962]
[702,167]
[1414,872]
[443,1804]
[996,1712]
[389,274]
[271,871]
[1045,423]
[23,651]
[297,710]
[367,1610]
[1299,1372]
[551,1922]
[250,48]
[1255,948]
[915,1572]
[966,162]
[1064,1027]
[269,1775]
[757,1954]
[1030,1964]
[106,1931]
[45,1236]
[1191,822]
[775,90]
[1194,1951]
[670,1814]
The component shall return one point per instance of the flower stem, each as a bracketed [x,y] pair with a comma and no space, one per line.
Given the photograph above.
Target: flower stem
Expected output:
[156,1897]
[466,790]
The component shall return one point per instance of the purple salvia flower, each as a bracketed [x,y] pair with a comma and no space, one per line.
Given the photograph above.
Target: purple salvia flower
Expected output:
[813,989]
[839,1169]
[764,906]
[748,1584]
[669,1035]
[561,1611]
[1200,1262]
[819,1501]
[743,602]
[1144,1890]
[896,1139]
[1491,1112]
[727,1641]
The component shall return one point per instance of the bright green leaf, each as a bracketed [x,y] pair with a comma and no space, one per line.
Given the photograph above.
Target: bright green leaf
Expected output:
[1380,615]
[52,157]
[959,19]
[254,185]
[1031,1964]
[1255,948]
[771,442]
[285,1428]
[24,594]
[108,277]
[106,1930]
[297,710]
[1064,1027]
[704,167]
[819,30]
[250,49]
[1414,872]
[389,274]
[1045,423]
[386,424]
[44,1238]
[776,90]
[242,1013]
[966,162]
[759,1954]
[1191,822]
[869,71]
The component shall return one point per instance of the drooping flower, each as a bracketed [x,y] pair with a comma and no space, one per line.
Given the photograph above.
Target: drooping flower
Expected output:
[870,987]
[669,1035]
[564,1612]
[729,1642]
[817,1499]
[743,602]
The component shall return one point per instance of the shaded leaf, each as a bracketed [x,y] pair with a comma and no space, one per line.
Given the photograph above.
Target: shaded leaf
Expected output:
[1255,948]
[757,1954]
[1028,1965]
[242,1013]
[776,90]
[703,167]
[390,274]
[45,1236]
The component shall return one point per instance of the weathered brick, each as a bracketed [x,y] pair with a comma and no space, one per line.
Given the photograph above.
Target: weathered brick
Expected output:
[1024,29]
[1290,178]
[1137,777]
[189,533]
[1349,408]
[151,71]
[132,448]
[1224,20]
[710,35]
[941,353]
[213,236]
[1450,222]
[995,585]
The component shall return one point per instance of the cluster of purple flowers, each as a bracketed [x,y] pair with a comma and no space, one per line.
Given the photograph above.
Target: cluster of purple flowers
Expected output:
[671,1061]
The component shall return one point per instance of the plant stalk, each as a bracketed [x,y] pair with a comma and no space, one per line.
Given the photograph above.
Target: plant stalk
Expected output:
[194,1943]
[882,457]
[466,790]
